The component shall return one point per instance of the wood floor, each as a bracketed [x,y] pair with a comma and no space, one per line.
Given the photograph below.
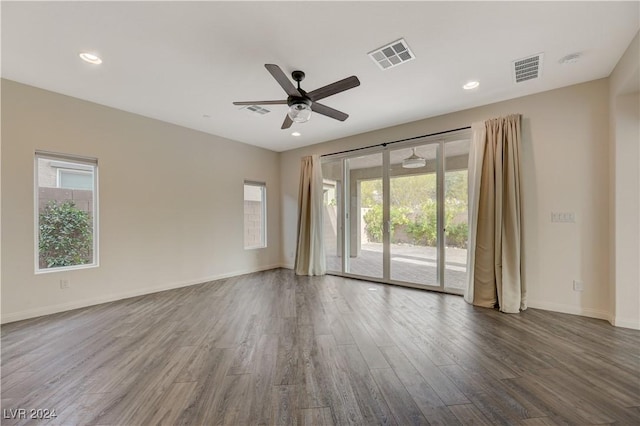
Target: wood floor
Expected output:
[272,348]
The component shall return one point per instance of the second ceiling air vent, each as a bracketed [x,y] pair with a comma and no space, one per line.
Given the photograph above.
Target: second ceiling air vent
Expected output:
[257,109]
[527,68]
[392,54]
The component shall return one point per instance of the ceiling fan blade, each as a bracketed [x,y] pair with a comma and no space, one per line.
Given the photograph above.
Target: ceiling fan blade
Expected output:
[333,88]
[287,122]
[282,79]
[328,111]
[283,102]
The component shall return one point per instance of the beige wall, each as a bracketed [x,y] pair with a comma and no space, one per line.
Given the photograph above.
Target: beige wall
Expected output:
[152,237]
[624,203]
[564,169]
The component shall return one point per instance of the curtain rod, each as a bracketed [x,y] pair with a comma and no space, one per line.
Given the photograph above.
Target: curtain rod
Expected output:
[399,140]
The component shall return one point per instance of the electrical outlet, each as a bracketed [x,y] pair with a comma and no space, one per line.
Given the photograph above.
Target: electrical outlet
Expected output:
[578,285]
[64,284]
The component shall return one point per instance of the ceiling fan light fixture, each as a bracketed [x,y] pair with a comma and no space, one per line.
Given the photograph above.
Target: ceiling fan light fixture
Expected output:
[413,161]
[300,112]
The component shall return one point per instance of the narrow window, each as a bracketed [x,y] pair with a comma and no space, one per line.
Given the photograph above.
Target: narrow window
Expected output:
[255,215]
[66,216]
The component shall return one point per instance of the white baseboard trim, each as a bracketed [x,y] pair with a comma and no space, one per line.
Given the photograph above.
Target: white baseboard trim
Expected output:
[54,309]
[633,324]
[287,266]
[570,309]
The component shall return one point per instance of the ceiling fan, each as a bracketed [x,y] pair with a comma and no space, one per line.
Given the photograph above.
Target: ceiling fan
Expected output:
[301,103]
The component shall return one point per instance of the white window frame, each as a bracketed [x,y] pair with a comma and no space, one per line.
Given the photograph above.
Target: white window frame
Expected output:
[82,163]
[263,213]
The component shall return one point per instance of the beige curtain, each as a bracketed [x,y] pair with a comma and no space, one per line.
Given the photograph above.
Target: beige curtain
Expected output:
[476,155]
[310,259]
[495,238]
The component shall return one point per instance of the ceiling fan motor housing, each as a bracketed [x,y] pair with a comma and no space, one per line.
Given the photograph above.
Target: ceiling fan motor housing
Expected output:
[298,75]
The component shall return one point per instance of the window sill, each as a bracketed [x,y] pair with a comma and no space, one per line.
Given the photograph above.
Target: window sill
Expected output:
[66,268]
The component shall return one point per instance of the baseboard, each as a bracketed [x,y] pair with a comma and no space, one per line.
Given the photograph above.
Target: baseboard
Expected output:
[633,324]
[54,309]
[287,265]
[570,309]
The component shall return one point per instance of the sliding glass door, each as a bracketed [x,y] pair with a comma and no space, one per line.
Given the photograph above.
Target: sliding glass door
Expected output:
[398,213]
[364,218]
[332,214]
[413,214]
[456,215]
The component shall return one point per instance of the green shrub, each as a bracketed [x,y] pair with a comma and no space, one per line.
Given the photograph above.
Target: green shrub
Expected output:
[424,229]
[421,225]
[373,224]
[457,234]
[418,215]
[66,237]
[399,216]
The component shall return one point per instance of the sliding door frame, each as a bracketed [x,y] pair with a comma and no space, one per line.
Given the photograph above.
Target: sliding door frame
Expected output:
[385,150]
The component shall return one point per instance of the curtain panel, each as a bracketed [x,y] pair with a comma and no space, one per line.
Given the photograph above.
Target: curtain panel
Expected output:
[494,257]
[310,258]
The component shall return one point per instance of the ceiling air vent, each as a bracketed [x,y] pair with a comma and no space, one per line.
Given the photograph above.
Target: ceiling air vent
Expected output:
[392,54]
[527,68]
[256,109]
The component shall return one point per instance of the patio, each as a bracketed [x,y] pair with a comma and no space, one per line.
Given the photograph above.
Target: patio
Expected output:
[409,263]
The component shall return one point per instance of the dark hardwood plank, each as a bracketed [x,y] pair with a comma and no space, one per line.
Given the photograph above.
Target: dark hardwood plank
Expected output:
[447,391]
[284,406]
[316,417]
[288,353]
[174,402]
[345,408]
[203,406]
[489,395]
[469,414]
[262,380]
[372,405]
[539,421]
[424,396]
[314,386]
[143,395]
[366,344]
[404,409]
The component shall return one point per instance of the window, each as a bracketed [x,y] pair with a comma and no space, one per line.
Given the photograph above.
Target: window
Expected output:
[75,179]
[255,215]
[66,215]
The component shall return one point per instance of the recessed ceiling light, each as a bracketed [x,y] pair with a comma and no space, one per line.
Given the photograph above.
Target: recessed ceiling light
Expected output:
[91,58]
[296,134]
[471,85]
[571,58]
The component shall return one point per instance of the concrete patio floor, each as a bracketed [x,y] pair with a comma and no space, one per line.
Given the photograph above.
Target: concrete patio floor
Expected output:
[409,263]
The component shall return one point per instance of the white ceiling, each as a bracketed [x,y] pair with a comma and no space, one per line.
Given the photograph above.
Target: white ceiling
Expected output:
[177,61]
